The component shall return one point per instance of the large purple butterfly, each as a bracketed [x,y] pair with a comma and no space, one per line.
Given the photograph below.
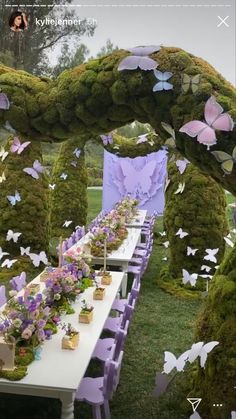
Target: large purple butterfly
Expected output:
[35,170]
[4,102]
[107,139]
[140,59]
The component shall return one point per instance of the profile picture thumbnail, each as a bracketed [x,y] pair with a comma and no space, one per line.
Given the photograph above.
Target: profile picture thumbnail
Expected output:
[18,21]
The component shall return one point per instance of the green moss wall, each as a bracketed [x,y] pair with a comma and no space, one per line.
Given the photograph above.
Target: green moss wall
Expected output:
[200,211]
[30,215]
[68,201]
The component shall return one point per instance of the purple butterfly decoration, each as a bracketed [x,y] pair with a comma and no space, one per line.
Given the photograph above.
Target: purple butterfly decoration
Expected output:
[4,102]
[162,83]
[18,282]
[77,152]
[215,119]
[140,59]
[142,138]
[107,139]
[35,170]
[17,146]
[182,164]
[73,163]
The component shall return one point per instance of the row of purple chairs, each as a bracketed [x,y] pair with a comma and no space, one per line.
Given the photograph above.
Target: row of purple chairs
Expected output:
[74,238]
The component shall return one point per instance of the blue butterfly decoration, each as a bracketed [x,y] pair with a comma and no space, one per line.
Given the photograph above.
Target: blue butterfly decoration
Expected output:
[162,83]
[13,199]
[37,353]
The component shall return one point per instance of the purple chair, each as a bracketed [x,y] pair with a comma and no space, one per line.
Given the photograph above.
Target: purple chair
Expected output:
[114,323]
[3,298]
[111,347]
[18,282]
[120,303]
[98,391]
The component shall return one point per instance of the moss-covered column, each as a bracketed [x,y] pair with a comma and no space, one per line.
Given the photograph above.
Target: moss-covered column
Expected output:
[200,211]
[68,199]
[217,321]
[29,215]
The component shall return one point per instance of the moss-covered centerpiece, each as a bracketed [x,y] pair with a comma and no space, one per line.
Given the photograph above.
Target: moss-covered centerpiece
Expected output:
[71,338]
[127,208]
[99,292]
[86,313]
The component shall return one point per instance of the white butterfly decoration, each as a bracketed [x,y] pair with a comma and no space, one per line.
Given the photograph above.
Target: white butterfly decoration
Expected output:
[142,138]
[13,199]
[63,176]
[162,233]
[211,255]
[167,182]
[52,186]
[165,258]
[228,241]
[12,236]
[172,362]
[3,153]
[205,268]
[187,277]
[2,253]
[37,259]
[233,231]
[2,178]
[180,188]
[8,263]
[205,276]
[25,251]
[181,233]
[201,350]
[77,152]
[191,252]
[116,147]
[67,223]
[166,244]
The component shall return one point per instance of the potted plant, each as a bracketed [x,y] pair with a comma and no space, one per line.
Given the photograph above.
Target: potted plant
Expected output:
[86,313]
[99,292]
[71,338]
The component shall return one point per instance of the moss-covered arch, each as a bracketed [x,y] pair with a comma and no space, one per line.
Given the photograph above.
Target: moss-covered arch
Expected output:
[96,98]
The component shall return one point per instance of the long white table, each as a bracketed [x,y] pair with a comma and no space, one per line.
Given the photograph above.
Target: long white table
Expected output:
[60,371]
[138,220]
[120,257]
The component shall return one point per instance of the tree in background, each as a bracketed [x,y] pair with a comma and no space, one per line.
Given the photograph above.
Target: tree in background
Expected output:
[69,59]
[29,49]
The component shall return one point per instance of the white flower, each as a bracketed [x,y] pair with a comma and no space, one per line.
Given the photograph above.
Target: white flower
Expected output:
[57,297]
[17,323]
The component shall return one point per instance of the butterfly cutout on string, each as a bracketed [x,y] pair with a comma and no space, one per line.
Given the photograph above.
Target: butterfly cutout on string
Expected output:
[67,223]
[200,350]
[2,253]
[166,244]
[3,153]
[180,188]
[162,83]
[205,268]
[162,233]
[4,102]
[170,142]
[215,119]
[12,236]
[190,81]
[64,176]
[17,146]
[77,152]
[182,164]
[181,233]
[18,282]
[227,161]
[172,362]
[34,171]
[211,255]
[2,178]
[25,251]
[37,353]
[167,182]
[228,241]
[191,278]
[73,163]
[13,199]
[8,263]
[190,251]
[139,59]
[142,138]
[37,259]
[106,139]
[52,186]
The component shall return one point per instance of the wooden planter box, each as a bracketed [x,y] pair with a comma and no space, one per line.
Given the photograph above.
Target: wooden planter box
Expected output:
[70,342]
[7,355]
[99,293]
[85,316]
[33,288]
[106,278]
[44,275]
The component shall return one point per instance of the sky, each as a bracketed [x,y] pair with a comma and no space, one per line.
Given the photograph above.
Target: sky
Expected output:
[204,28]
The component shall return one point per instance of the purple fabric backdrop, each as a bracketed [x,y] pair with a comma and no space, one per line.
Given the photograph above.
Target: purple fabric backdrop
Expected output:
[143,178]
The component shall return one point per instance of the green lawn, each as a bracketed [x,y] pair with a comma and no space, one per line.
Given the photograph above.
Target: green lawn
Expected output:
[161,322]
